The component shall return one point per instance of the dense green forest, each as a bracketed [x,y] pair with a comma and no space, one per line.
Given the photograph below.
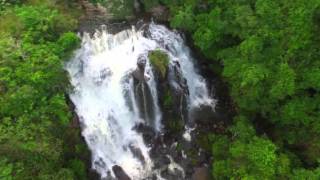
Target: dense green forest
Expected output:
[269,50]
[269,54]
[36,140]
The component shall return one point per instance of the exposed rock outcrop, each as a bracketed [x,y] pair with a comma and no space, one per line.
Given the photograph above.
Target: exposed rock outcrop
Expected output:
[160,13]
[96,15]
[138,73]
[201,173]
[119,173]
[179,89]
[137,153]
[142,92]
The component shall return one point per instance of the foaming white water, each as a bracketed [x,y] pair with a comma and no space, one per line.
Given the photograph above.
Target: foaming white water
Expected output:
[97,73]
[100,74]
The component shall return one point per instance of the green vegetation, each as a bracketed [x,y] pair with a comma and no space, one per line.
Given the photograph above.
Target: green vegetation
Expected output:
[35,134]
[269,53]
[159,61]
[168,99]
[269,50]
[148,4]
[175,126]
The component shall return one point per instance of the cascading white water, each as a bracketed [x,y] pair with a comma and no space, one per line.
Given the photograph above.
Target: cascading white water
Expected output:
[175,46]
[100,74]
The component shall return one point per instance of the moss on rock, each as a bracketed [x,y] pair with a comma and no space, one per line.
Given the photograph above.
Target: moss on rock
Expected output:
[168,99]
[175,126]
[159,60]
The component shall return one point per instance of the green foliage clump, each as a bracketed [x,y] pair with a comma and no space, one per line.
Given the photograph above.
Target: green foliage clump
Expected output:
[149,4]
[6,169]
[247,156]
[8,3]
[160,61]
[168,99]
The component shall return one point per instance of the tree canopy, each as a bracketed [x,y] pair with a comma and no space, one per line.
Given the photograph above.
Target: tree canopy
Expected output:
[269,51]
[36,38]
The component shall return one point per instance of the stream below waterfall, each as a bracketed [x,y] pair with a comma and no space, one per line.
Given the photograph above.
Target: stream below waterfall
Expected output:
[110,105]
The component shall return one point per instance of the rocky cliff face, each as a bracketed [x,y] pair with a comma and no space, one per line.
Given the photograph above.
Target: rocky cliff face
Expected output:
[119,14]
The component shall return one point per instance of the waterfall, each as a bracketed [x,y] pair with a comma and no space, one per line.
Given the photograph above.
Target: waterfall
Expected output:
[105,98]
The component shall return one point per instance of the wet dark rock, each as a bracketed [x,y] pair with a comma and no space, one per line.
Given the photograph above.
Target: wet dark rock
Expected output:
[171,175]
[119,173]
[147,132]
[201,173]
[179,89]
[175,152]
[138,7]
[138,73]
[189,169]
[137,153]
[100,163]
[93,18]
[204,114]
[142,92]
[160,13]
[161,161]
[96,16]
[91,9]
[175,172]
[203,157]
[109,177]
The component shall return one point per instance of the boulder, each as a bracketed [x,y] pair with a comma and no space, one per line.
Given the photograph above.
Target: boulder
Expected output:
[142,92]
[201,173]
[160,13]
[204,115]
[136,151]
[119,173]
[138,73]
[138,7]
[179,89]
[147,132]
